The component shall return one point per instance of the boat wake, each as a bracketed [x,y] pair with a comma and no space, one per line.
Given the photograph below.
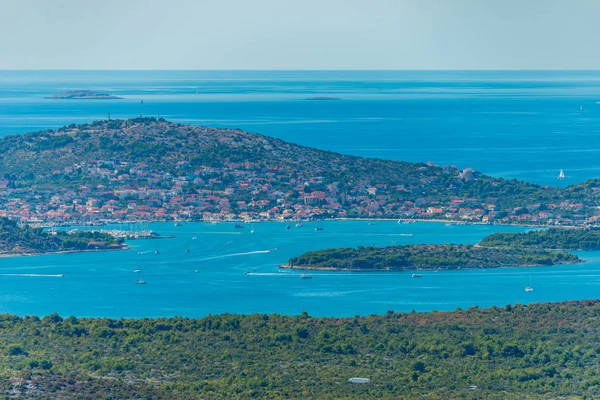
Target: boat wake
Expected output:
[36,275]
[248,253]
[219,233]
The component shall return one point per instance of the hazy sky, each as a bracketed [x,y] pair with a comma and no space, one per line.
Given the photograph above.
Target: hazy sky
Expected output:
[299,34]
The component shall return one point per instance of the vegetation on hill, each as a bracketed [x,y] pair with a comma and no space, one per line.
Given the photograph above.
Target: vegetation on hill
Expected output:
[254,174]
[516,352]
[553,238]
[24,240]
[427,256]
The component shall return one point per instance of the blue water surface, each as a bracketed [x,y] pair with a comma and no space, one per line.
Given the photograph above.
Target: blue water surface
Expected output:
[102,284]
[516,124]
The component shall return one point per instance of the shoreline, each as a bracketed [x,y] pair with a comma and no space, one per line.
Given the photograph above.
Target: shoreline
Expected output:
[232,221]
[10,255]
[310,268]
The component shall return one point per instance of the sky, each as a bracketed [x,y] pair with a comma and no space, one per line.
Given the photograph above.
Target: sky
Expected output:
[299,34]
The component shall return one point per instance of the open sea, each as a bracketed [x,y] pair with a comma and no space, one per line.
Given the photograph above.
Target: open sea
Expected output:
[516,124]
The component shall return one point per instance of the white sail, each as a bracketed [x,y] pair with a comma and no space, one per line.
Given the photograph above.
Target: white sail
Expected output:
[561,175]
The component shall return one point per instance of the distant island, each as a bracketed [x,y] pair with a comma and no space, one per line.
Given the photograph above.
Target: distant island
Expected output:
[426,257]
[323,98]
[83,94]
[147,169]
[15,240]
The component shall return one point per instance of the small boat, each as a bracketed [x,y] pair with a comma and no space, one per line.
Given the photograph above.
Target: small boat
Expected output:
[530,287]
[371,223]
[239,226]
[156,252]
[196,271]
[288,227]
[417,275]
[187,250]
[305,276]
[561,175]
[298,225]
[178,224]
[318,228]
[194,238]
[140,282]
[137,270]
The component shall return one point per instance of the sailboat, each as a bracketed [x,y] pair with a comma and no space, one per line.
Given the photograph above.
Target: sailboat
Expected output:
[140,281]
[561,175]
[529,288]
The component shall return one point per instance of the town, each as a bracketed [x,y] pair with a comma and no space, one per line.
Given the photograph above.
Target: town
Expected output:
[123,191]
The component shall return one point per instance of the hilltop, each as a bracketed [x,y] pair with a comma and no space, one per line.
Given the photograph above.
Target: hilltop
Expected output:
[148,169]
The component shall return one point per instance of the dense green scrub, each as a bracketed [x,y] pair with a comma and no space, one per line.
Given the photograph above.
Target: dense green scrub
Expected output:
[534,351]
[554,238]
[427,256]
[15,239]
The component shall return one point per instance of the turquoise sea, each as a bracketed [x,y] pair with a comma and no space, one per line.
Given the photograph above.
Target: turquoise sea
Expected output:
[103,283]
[517,124]
[524,125]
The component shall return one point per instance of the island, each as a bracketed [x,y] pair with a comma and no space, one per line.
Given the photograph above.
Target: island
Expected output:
[426,257]
[16,240]
[323,98]
[83,94]
[553,239]
[147,169]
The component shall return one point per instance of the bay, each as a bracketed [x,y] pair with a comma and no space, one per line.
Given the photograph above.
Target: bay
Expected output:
[102,284]
[515,124]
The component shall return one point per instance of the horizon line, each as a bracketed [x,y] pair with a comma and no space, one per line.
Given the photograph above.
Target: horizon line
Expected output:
[304,70]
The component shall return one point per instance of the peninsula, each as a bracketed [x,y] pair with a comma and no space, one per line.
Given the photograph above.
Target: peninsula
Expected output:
[82,94]
[426,257]
[550,239]
[146,169]
[15,240]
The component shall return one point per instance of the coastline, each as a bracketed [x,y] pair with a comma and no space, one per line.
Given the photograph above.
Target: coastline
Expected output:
[366,219]
[43,253]
[383,271]
[437,269]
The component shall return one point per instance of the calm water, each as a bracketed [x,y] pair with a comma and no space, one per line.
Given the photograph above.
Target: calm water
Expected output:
[525,125]
[103,284]
[516,124]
